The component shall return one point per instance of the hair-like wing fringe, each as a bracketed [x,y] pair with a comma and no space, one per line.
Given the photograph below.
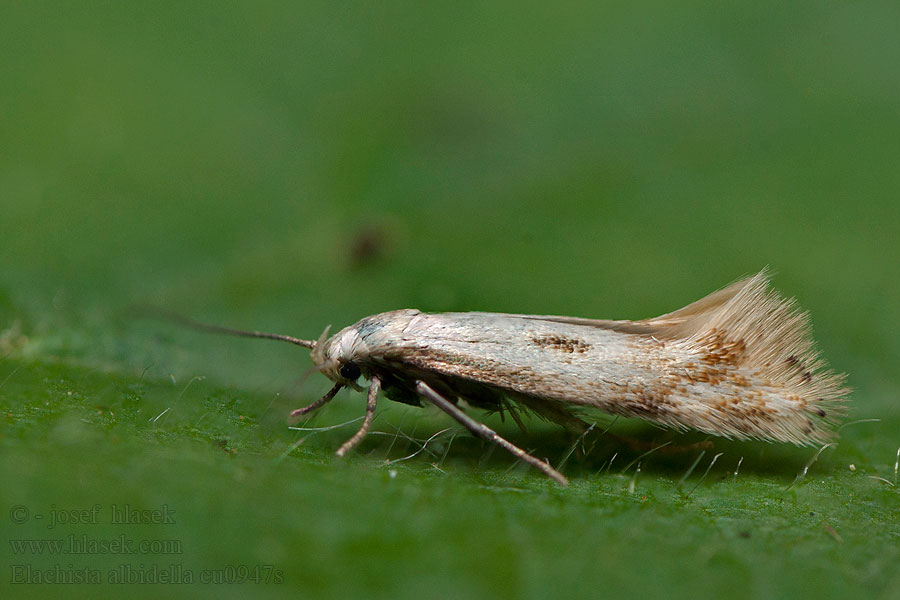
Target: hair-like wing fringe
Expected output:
[695,314]
[766,334]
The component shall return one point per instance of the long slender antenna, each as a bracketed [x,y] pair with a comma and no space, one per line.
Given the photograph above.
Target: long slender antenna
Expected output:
[182,320]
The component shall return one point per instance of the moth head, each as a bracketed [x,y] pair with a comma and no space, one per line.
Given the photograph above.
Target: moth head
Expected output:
[336,356]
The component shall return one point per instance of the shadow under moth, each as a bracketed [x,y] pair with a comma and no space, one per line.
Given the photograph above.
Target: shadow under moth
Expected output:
[739,363]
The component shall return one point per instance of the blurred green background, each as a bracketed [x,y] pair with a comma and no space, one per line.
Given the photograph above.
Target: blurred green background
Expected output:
[282,166]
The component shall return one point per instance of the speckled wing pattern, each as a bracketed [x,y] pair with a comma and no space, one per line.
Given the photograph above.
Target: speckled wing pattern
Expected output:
[738,363]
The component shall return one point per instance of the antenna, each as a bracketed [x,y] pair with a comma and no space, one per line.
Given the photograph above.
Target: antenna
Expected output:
[182,320]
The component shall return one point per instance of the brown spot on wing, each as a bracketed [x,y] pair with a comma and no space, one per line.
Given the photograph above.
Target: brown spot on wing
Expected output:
[562,343]
[718,350]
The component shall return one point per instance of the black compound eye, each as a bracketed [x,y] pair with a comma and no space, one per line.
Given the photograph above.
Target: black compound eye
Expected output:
[349,371]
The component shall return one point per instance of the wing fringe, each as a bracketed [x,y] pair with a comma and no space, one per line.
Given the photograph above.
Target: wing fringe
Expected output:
[775,341]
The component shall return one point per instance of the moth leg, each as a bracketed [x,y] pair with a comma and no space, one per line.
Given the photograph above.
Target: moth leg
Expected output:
[555,413]
[485,432]
[318,403]
[374,387]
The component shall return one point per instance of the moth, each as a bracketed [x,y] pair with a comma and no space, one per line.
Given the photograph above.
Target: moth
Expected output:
[739,363]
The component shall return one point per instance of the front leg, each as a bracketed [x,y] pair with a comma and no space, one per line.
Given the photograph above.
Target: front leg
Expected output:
[372,399]
[485,432]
